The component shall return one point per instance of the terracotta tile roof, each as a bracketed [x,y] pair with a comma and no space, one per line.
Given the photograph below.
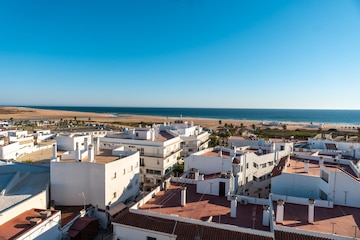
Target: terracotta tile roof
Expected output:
[183,230]
[202,206]
[341,220]
[20,224]
[280,235]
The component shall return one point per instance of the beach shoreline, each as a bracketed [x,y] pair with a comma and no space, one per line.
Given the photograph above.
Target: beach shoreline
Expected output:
[26,113]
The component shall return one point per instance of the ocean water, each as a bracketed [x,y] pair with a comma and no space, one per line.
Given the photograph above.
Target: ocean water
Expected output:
[351,117]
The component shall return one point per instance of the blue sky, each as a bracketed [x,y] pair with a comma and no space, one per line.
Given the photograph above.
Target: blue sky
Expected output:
[181,53]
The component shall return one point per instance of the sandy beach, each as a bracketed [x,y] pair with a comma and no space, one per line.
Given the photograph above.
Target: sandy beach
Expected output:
[21,113]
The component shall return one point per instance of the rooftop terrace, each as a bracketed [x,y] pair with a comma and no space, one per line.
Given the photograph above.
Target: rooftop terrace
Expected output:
[20,224]
[203,206]
[339,220]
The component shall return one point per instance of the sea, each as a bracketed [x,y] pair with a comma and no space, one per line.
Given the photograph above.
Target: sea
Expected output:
[351,117]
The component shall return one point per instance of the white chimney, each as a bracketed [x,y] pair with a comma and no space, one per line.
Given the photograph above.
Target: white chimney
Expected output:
[90,153]
[233,206]
[266,215]
[280,211]
[152,132]
[97,145]
[306,166]
[54,151]
[183,196]
[311,210]
[77,153]
[220,153]
[196,174]
[86,144]
[273,147]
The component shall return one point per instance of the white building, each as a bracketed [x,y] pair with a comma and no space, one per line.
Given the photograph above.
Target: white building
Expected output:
[106,180]
[332,180]
[329,146]
[159,151]
[22,187]
[242,171]
[14,143]
[40,224]
[194,138]
[69,141]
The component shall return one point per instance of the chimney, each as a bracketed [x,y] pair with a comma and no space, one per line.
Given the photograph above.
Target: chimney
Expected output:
[233,206]
[77,153]
[97,145]
[280,211]
[266,215]
[183,196]
[220,153]
[54,151]
[311,210]
[90,153]
[86,144]
[152,132]
[196,174]
[306,166]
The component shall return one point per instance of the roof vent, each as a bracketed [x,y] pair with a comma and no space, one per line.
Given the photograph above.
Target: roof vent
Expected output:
[34,221]
[45,214]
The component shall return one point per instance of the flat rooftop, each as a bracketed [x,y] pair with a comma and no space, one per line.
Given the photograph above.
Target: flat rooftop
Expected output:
[203,206]
[104,156]
[338,220]
[20,224]
[162,136]
[296,165]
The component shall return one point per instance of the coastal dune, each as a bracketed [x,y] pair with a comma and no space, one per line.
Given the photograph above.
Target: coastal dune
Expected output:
[22,113]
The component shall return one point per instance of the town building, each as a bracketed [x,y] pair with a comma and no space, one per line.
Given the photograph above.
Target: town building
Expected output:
[22,187]
[14,143]
[159,151]
[243,171]
[108,180]
[332,181]
[194,138]
[40,224]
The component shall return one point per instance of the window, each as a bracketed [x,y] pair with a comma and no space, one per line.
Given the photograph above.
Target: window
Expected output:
[124,171]
[270,163]
[247,165]
[114,174]
[158,162]
[324,176]
[142,151]
[142,162]
[151,171]
[263,165]
[255,165]
[132,168]
[323,195]
[137,134]
[150,238]
[246,180]
[114,195]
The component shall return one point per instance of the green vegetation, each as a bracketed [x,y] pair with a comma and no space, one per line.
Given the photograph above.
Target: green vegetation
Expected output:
[178,169]
[300,134]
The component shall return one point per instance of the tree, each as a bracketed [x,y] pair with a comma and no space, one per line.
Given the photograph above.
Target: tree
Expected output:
[284,127]
[220,122]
